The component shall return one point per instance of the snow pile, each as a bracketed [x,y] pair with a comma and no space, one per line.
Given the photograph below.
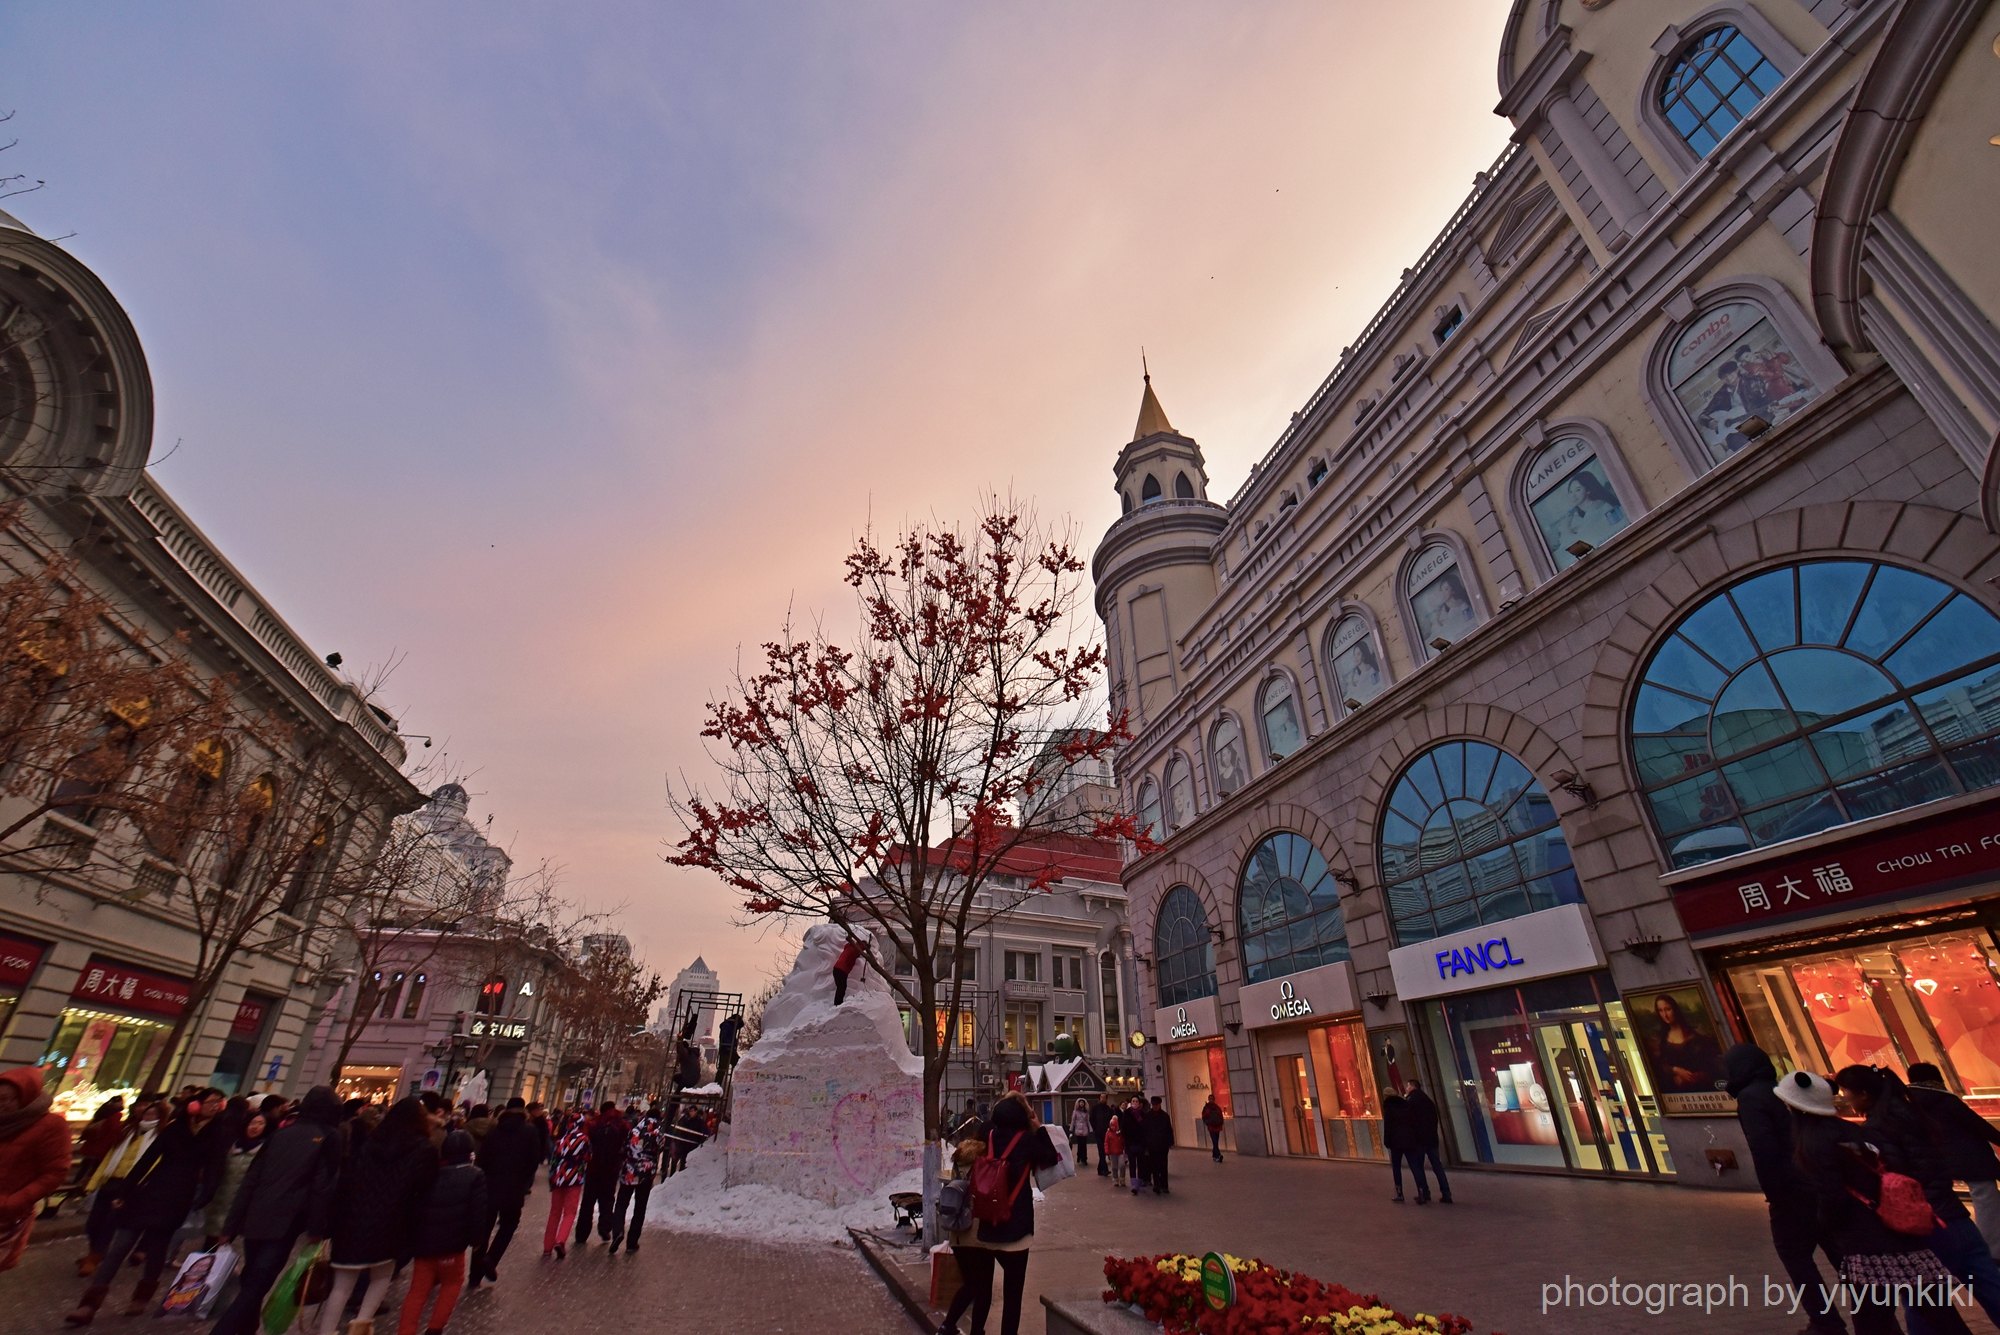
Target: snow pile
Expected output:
[696,1200]
[828,1105]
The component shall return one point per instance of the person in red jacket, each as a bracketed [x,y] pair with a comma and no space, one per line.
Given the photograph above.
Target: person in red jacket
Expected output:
[34,1157]
[850,955]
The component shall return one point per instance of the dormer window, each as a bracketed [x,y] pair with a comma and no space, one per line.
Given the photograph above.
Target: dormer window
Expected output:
[1149,492]
[1183,488]
[1448,325]
[1291,500]
[1317,473]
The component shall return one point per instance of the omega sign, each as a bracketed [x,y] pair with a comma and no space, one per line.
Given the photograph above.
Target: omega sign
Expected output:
[1289,1006]
[1183,1027]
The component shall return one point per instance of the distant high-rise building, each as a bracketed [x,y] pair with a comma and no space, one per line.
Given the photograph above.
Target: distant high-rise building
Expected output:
[697,977]
[614,942]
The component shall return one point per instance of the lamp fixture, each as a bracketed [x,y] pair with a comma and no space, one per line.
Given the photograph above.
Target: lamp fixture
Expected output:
[1351,702]
[1347,881]
[1440,643]
[1646,947]
[1567,780]
[1233,1026]
[1752,427]
[1379,1000]
[1580,549]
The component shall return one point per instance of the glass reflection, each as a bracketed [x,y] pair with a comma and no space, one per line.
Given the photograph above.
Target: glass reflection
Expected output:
[1288,909]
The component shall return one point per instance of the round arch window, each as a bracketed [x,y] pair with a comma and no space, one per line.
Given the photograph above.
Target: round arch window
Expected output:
[1225,749]
[1182,957]
[1356,666]
[1730,364]
[1575,505]
[1180,794]
[1149,810]
[1813,695]
[1280,710]
[1470,838]
[1288,910]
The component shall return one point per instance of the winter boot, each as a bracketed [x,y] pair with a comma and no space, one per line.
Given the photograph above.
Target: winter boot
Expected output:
[86,1308]
[86,1265]
[361,1325]
[142,1294]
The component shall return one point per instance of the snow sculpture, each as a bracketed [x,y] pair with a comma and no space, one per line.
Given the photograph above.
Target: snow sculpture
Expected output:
[829,1103]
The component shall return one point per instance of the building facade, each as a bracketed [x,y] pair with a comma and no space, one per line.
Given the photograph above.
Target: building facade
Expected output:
[98,932]
[1597,670]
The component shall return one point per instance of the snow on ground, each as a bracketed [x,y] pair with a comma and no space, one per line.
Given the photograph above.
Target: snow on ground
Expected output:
[694,1200]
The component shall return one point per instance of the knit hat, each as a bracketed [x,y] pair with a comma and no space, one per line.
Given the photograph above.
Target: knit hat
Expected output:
[1802,1091]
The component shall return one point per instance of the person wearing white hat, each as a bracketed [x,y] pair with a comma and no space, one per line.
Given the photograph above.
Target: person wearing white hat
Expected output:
[1880,1266]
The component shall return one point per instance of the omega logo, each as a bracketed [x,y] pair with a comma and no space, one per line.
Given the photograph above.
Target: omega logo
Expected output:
[1290,1006]
[1183,1027]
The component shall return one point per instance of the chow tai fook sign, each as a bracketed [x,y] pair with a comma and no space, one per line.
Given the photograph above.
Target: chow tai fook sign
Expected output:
[1898,860]
[1543,944]
[1187,1023]
[18,960]
[505,1031]
[124,987]
[1313,994]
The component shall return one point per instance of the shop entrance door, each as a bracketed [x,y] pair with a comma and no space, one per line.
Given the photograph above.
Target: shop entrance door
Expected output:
[1295,1093]
[1597,1112]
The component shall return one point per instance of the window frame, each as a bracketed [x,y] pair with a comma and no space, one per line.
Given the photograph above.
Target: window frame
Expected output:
[1180,898]
[1150,794]
[1475,592]
[1178,757]
[1372,634]
[1280,677]
[1537,441]
[1669,47]
[1150,490]
[1228,718]
[1246,933]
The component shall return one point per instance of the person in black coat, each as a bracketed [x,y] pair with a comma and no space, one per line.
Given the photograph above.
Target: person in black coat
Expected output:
[1132,1125]
[1015,1136]
[1966,1139]
[288,1192]
[609,1133]
[452,1218]
[1422,1117]
[1752,1081]
[1156,1133]
[1396,1139]
[1102,1114]
[382,1186]
[509,1156]
[177,1173]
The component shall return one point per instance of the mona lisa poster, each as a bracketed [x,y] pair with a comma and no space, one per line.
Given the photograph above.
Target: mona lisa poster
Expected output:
[1683,1048]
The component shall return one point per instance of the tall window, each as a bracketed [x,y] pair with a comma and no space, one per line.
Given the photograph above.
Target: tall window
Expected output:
[1023,966]
[1149,491]
[1288,910]
[1225,753]
[1183,488]
[1718,80]
[1114,1013]
[1149,809]
[1440,603]
[392,992]
[1182,958]
[1280,710]
[1180,794]
[1730,364]
[1068,970]
[1574,503]
[414,1002]
[1470,837]
[1812,695]
[1355,665]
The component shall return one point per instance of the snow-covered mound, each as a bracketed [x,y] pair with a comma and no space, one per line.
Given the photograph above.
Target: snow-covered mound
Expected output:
[828,1104]
[696,1200]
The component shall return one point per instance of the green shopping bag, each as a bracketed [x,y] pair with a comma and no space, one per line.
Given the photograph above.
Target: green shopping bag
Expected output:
[281,1309]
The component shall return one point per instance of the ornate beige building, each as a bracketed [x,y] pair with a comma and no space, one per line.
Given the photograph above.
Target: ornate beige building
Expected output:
[1604,665]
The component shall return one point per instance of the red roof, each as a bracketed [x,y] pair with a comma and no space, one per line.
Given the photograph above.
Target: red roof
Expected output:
[1078,857]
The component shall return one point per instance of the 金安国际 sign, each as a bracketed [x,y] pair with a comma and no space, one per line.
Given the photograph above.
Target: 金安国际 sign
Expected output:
[1307,995]
[506,1030]
[1909,858]
[1185,1023]
[1542,944]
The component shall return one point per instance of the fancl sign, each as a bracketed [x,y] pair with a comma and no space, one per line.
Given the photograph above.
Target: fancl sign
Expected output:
[1543,944]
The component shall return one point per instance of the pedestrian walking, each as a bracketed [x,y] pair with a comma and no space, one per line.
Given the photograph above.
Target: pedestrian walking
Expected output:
[100,1137]
[1396,1139]
[1423,1124]
[287,1192]
[1895,1127]
[1132,1122]
[1752,1081]
[609,1134]
[1211,1121]
[1158,1131]
[569,1161]
[107,1184]
[176,1174]
[1102,1117]
[236,1161]
[1845,1175]
[34,1157]
[1966,1139]
[508,1157]
[1114,1152]
[647,1142]
[1021,1145]
[450,1219]
[1081,1133]
[382,1187]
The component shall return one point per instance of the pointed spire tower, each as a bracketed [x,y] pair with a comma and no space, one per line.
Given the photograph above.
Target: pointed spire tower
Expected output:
[1159,464]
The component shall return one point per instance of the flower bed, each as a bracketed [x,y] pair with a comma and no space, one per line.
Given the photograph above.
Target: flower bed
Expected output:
[1167,1289]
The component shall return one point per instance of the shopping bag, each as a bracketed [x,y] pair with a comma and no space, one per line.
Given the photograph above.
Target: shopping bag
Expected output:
[1065,1164]
[945,1276]
[281,1309]
[199,1283]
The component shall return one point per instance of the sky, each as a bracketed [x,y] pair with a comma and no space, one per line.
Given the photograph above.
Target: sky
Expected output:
[551,352]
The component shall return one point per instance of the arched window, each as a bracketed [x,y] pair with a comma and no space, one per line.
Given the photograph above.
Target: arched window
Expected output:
[1470,837]
[1574,502]
[1729,364]
[1440,604]
[1182,956]
[1354,662]
[1180,794]
[1183,489]
[1279,708]
[1720,77]
[414,1002]
[1812,695]
[1149,491]
[1230,764]
[1149,809]
[392,992]
[1288,910]
[253,810]
[1125,502]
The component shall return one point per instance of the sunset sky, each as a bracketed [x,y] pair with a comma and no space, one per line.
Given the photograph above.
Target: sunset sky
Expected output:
[555,349]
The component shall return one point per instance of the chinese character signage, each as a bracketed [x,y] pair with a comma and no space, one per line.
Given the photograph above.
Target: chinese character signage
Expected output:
[1940,853]
[114,986]
[513,1031]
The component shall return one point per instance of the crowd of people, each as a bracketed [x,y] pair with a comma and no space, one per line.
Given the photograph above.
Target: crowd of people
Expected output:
[373,1190]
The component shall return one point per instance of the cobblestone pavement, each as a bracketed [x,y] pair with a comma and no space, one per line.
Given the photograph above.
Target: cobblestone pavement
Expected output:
[676,1282]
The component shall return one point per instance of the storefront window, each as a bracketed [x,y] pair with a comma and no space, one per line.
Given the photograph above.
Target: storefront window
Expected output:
[1813,695]
[96,1055]
[1470,838]
[1547,1075]
[1194,1071]
[1288,907]
[1181,949]
[1929,998]
[1325,1091]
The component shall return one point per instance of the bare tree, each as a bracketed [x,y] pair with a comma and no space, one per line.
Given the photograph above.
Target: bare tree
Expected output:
[602,1000]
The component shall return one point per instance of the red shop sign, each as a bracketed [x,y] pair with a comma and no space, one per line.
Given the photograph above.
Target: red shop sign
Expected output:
[249,1018]
[106,982]
[18,959]
[1919,856]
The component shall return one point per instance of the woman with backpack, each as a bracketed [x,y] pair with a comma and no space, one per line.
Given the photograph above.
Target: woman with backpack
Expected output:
[1847,1179]
[452,1218]
[1003,1208]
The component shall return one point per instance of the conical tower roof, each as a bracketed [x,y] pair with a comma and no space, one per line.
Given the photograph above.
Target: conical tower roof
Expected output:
[1152,417]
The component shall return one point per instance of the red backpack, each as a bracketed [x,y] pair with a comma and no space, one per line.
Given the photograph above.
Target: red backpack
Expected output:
[995,1187]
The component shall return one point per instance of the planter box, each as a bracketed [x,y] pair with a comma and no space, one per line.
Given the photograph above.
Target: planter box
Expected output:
[1089,1314]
